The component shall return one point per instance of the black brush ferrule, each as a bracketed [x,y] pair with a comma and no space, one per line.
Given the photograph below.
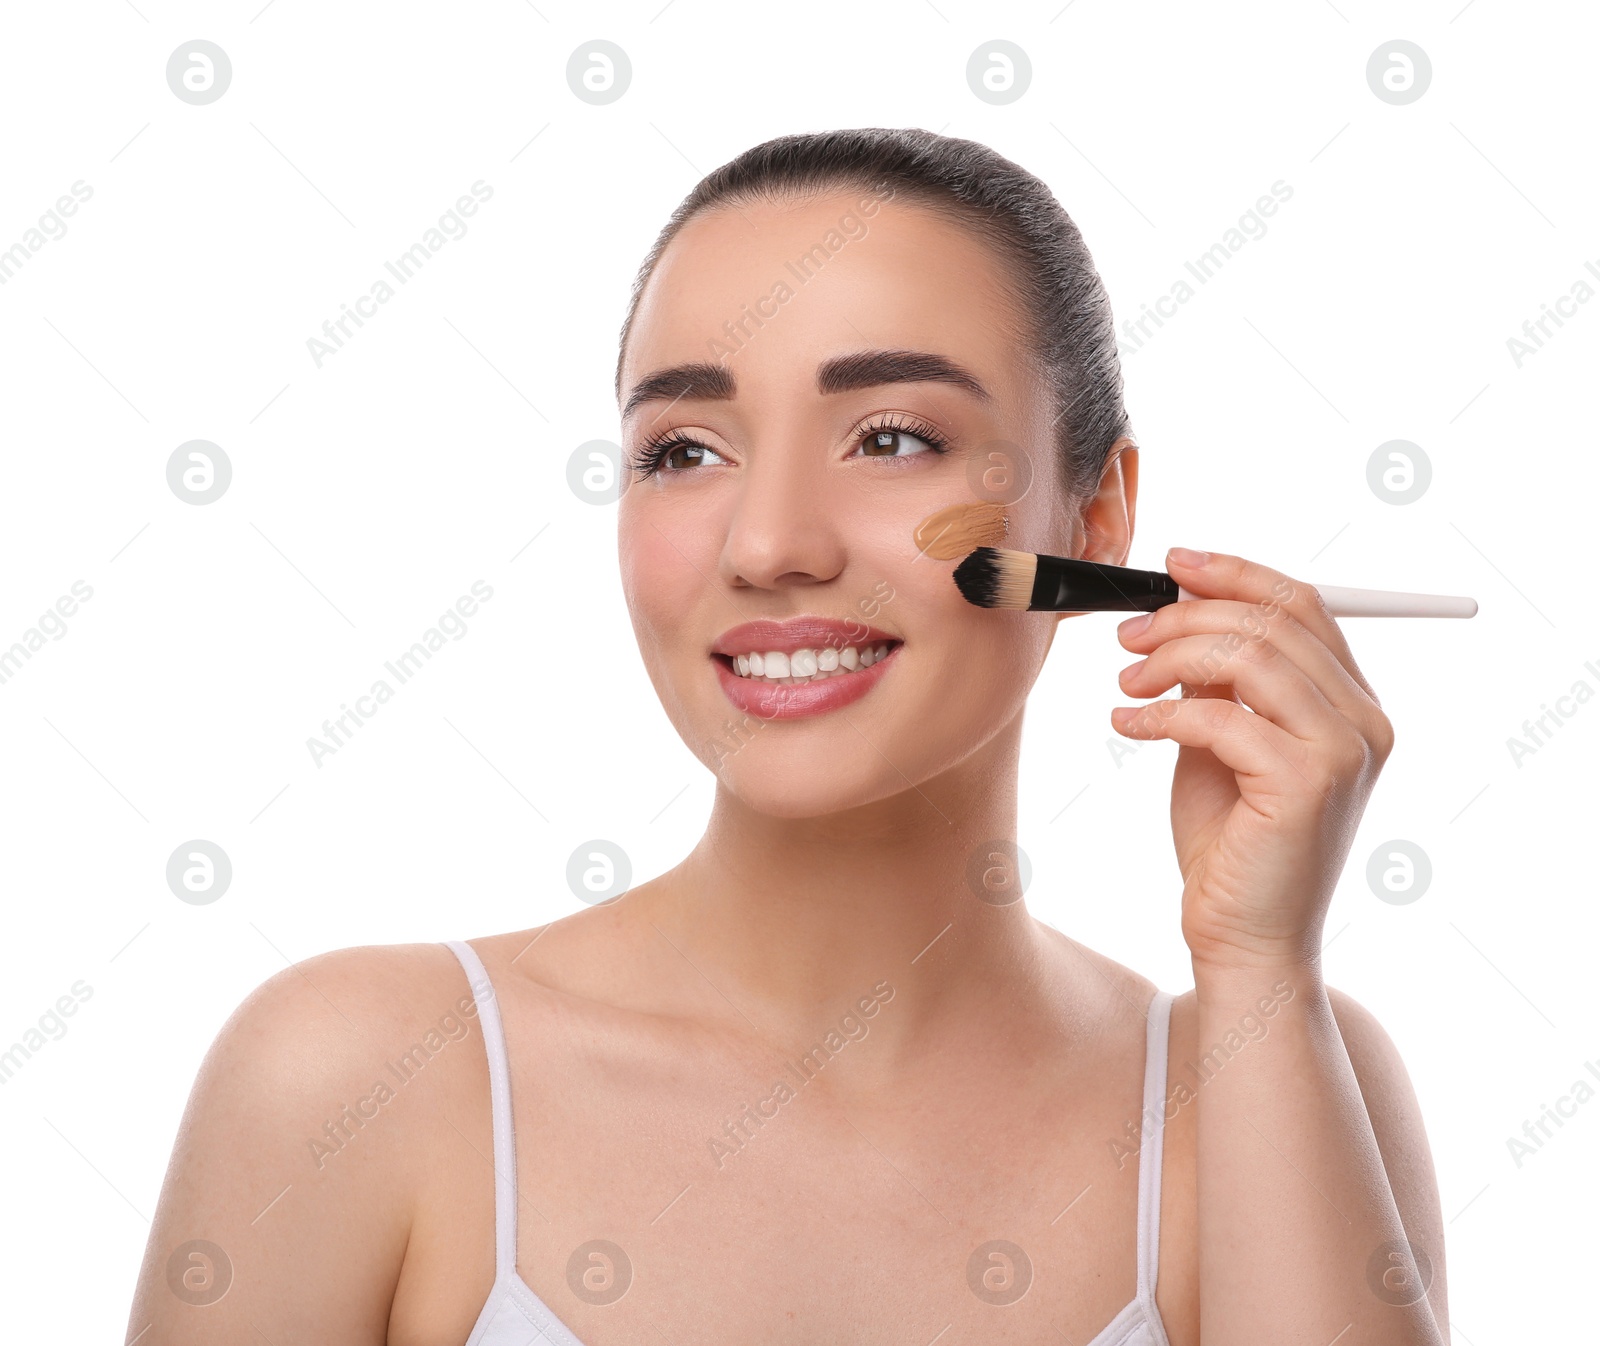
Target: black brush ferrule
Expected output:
[1064,584]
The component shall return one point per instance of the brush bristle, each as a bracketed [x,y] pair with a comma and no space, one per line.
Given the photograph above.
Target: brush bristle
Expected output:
[993,577]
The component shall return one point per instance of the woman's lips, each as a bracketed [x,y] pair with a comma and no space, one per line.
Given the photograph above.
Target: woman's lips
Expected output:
[788,701]
[797,633]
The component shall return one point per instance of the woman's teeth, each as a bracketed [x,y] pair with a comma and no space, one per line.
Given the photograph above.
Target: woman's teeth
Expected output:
[808,665]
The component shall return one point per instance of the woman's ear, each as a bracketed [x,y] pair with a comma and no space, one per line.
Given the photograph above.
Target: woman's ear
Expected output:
[1108,515]
[1107,518]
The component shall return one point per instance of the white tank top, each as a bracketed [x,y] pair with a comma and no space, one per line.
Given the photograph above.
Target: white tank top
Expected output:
[514,1316]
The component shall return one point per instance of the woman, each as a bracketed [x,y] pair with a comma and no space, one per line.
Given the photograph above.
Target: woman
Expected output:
[826,1079]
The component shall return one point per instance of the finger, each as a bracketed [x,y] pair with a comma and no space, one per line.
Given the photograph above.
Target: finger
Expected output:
[1231,625]
[1223,576]
[1265,678]
[1248,744]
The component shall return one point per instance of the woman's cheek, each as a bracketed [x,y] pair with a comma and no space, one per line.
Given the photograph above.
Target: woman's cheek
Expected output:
[659,601]
[659,580]
[998,655]
[972,657]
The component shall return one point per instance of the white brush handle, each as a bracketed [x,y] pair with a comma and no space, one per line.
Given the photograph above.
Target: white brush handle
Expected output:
[1344,602]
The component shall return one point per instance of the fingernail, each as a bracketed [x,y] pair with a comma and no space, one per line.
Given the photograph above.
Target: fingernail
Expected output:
[1185,557]
[1130,669]
[1134,625]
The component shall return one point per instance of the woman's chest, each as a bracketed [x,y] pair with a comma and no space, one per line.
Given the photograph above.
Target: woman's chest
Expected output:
[863,1240]
[1005,1215]
[712,1199]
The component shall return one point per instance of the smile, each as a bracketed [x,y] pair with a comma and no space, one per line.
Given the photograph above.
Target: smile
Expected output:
[801,666]
[806,665]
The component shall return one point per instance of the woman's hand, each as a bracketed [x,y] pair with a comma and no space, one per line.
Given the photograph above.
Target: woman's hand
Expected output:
[1264,804]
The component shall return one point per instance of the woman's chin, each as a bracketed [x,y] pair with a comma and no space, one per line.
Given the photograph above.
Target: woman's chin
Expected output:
[806,793]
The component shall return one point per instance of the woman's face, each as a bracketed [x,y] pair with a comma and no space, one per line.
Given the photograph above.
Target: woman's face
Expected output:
[797,465]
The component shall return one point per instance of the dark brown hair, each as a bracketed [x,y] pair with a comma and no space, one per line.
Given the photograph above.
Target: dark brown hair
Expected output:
[1054,281]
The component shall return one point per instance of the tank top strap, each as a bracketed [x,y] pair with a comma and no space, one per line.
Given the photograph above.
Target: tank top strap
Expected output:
[1153,1125]
[505,1149]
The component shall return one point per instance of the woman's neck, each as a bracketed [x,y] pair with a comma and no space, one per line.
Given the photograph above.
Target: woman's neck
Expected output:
[792,919]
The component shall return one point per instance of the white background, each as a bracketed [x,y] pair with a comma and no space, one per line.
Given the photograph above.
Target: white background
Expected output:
[431,451]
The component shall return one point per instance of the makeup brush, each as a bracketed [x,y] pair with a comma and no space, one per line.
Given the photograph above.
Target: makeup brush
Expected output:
[993,577]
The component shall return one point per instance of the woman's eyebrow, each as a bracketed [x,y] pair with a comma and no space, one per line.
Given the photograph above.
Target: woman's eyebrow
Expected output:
[843,373]
[701,379]
[870,369]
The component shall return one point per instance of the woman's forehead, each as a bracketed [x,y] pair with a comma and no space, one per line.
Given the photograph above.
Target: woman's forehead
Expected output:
[804,280]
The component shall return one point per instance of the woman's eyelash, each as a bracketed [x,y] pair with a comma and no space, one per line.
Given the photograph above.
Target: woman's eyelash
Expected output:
[650,455]
[906,425]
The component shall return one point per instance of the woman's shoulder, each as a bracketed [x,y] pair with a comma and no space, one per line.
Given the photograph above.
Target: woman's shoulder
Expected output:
[1117,988]
[1373,1054]
[317,1024]
[364,979]
[306,1141]
[319,1039]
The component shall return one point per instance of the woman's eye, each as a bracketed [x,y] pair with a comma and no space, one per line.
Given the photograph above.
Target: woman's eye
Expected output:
[692,455]
[893,444]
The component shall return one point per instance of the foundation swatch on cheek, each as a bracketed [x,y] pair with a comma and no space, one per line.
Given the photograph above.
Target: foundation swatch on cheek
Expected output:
[954,531]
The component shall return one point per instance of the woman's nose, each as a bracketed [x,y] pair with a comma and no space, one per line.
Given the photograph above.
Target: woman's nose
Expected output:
[783,526]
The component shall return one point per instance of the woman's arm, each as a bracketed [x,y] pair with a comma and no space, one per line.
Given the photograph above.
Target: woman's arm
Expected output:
[252,1240]
[1305,1203]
